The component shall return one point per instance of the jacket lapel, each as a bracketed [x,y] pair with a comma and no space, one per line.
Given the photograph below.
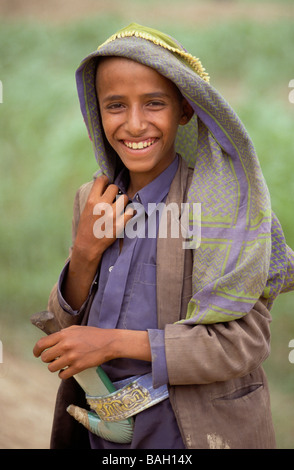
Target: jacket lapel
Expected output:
[171,256]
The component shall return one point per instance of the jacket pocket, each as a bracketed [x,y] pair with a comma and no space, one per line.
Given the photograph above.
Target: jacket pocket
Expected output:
[242,392]
[242,416]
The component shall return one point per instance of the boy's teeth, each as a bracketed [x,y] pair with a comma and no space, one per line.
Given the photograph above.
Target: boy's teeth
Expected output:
[139,145]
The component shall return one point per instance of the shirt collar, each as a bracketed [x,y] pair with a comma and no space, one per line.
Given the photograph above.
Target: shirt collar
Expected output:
[154,192]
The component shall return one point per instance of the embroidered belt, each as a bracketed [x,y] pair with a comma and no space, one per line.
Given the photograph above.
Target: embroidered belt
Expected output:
[115,404]
[133,396]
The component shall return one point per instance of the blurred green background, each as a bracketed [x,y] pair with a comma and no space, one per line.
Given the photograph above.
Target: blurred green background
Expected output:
[248,49]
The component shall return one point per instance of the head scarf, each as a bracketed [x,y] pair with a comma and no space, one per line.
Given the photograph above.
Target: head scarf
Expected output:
[243,254]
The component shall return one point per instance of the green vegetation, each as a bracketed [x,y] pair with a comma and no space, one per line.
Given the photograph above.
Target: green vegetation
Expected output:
[46,155]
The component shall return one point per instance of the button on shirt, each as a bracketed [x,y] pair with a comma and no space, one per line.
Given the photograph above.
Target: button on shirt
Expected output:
[126,298]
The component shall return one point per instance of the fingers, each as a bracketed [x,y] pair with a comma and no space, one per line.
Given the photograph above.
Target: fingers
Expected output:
[49,354]
[68,351]
[102,190]
[99,185]
[111,207]
[107,192]
[67,372]
[47,349]
[103,194]
[45,343]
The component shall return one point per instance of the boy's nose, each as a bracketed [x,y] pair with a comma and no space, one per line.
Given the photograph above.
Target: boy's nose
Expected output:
[136,122]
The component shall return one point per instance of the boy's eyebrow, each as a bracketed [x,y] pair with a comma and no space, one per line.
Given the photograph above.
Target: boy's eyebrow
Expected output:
[155,94]
[112,98]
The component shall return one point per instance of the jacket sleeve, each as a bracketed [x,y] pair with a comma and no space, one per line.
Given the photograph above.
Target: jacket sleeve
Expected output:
[203,354]
[63,313]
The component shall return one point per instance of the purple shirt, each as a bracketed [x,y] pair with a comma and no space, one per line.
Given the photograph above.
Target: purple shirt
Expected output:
[126,298]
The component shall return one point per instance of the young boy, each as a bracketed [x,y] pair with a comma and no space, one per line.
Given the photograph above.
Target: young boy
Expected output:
[196,320]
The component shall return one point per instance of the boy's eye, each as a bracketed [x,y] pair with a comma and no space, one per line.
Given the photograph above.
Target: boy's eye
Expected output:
[115,106]
[155,104]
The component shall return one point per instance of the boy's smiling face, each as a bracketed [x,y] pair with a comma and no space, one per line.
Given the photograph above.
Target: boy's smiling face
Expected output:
[141,111]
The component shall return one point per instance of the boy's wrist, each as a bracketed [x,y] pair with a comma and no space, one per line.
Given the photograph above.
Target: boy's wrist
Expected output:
[86,259]
[131,344]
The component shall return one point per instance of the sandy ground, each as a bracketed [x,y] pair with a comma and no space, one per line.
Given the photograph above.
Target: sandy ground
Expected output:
[27,397]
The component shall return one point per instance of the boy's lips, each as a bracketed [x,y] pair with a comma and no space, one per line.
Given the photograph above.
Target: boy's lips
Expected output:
[139,145]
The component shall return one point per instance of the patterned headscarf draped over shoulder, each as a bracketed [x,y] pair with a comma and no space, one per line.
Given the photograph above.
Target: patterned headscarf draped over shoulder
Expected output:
[243,254]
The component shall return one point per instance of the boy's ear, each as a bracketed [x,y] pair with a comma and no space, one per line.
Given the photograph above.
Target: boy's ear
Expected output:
[187,112]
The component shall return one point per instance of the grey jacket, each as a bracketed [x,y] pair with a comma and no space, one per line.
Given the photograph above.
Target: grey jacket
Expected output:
[218,389]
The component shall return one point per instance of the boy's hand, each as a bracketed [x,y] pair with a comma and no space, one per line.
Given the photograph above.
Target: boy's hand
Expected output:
[76,348]
[96,234]
[91,242]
